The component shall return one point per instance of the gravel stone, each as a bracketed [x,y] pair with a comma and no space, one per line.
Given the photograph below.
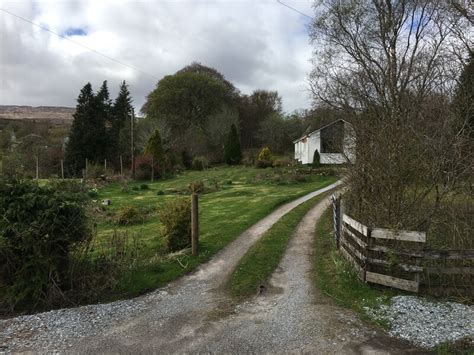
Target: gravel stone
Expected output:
[426,323]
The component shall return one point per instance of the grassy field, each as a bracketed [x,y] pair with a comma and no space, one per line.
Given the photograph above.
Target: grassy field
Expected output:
[262,259]
[236,198]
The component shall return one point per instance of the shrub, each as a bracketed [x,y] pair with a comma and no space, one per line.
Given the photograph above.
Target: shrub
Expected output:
[160,192]
[129,215]
[38,228]
[196,186]
[232,152]
[200,163]
[186,159]
[264,158]
[175,217]
[283,162]
[316,159]
[93,193]
[144,187]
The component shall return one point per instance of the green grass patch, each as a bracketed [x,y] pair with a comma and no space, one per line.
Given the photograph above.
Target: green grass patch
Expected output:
[336,278]
[225,213]
[263,257]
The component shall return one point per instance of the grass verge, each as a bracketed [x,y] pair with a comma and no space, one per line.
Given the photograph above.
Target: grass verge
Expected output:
[245,196]
[261,260]
[336,278]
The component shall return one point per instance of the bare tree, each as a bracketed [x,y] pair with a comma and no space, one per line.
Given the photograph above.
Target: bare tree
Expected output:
[394,65]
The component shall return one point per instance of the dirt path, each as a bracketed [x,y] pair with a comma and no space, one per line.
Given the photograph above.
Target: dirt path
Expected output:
[194,315]
[160,320]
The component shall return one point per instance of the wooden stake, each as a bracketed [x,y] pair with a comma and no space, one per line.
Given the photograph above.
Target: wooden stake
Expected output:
[85,171]
[121,166]
[62,169]
[195,224]
[105,166]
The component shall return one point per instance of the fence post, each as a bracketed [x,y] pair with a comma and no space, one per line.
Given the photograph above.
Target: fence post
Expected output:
[194,224]
[337,218]
[62,169]
[370,244]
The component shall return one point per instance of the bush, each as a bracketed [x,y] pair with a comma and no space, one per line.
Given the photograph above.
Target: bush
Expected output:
[93,193]
[283,162]
[128,215]
[144,187]
[316,159]
[196,186]
[265,159]
[160,192]
[200,163]
[38,228]
[175,217]
[232,152]
[186,159]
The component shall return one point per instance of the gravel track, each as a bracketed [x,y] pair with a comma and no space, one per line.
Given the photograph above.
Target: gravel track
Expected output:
[194,314]
[159,320]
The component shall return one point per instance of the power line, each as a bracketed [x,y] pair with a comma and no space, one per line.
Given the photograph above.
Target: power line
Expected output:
[79,44]
[296,10]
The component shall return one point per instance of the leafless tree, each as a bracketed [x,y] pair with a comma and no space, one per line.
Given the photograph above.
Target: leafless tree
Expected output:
[394,65]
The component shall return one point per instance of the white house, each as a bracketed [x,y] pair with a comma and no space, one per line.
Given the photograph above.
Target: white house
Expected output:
[335,143]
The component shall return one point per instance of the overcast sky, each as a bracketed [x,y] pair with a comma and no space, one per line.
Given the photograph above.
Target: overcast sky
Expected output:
[257,44]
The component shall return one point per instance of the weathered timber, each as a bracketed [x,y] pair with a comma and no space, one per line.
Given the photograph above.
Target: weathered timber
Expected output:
[391,281]
[407,236]
[379,248]
[353,250]
[356,239]
[356,225]
[402,266]
[450,270]
[449,254]
[352,260]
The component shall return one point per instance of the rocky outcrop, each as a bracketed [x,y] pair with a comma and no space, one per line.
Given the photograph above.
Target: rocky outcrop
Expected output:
[47,114]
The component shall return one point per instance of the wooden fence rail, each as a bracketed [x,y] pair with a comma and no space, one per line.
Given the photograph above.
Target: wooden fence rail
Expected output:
[395,258]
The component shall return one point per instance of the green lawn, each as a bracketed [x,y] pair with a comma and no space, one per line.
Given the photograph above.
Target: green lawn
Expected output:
[262,259]
[241,196]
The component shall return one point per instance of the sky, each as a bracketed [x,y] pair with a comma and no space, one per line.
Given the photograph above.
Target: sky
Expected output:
[256,44]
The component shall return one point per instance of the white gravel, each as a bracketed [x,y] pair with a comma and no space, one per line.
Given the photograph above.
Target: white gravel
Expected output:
[425,323]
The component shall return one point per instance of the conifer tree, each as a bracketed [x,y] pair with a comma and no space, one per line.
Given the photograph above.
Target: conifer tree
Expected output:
[232,152]
[77,148]
[155,149]
[119,137]
[101,121]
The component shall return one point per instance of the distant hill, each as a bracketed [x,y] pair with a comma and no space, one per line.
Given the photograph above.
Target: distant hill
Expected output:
[54,115]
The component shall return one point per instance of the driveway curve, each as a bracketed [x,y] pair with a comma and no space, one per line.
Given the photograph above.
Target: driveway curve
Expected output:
[164,320]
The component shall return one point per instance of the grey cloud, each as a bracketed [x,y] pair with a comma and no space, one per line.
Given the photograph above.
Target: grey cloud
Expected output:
[254,44]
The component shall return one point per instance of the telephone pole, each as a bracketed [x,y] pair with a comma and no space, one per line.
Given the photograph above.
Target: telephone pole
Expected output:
[132,147]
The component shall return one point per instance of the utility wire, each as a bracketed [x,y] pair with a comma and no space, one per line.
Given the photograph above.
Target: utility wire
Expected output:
[79,44]
[296,10]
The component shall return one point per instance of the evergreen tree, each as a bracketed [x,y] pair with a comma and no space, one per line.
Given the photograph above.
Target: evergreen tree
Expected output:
[232,152]
[120,131]
[155,148]
[101,121]
[77,149]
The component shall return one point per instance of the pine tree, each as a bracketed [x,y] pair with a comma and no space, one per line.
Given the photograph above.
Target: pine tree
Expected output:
[232,152]
[77,149]
[101,121]
[119,137]
[154,147]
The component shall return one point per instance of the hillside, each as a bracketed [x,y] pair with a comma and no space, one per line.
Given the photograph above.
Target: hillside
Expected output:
[42,114]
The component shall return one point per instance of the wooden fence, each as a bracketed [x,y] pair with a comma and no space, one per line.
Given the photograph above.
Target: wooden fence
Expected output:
[400,259]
